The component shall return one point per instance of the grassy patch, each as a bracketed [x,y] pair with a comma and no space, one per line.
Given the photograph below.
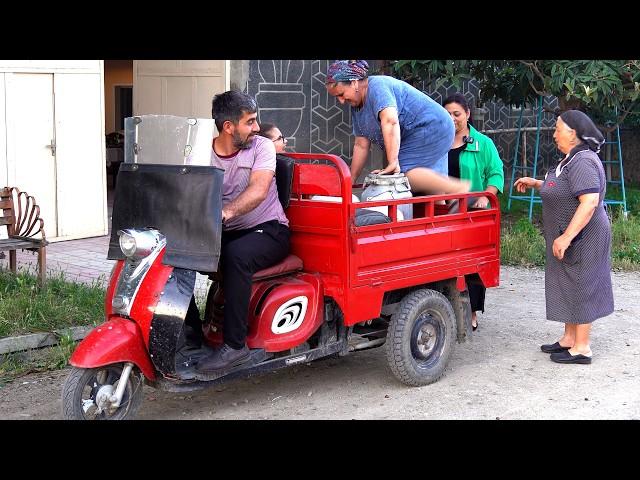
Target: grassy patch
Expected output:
[522,244]
[626,241]
[25,308]
[632,194]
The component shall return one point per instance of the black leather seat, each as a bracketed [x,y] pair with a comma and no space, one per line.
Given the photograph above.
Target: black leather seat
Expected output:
[284,178]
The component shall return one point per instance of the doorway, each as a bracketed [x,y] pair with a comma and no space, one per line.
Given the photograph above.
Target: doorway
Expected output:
[118,101]
[123,96]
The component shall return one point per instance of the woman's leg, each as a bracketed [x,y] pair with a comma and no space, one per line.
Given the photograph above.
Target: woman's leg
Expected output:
[581,345]
[569,337]
[428,182]
[476,298]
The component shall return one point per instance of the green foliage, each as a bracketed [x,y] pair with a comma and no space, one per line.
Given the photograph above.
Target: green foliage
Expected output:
[61,352]
[519,208]
[12,366]
[632,195]
[522,244]
[626,241]
[599,87]
[25,308]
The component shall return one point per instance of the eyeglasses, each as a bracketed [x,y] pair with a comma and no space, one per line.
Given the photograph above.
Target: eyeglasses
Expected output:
[281,137]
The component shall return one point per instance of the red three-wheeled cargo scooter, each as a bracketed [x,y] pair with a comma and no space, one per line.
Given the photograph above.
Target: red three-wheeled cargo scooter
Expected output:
[346,286]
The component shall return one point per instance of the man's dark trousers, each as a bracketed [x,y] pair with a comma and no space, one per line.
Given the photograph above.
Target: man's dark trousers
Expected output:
[243,253]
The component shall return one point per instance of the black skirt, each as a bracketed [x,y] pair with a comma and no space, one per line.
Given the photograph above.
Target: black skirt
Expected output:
[476,295]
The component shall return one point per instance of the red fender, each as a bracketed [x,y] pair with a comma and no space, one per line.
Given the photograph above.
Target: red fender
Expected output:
[118,340]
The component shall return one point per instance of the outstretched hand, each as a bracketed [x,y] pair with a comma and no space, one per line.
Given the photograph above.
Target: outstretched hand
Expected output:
[525,182]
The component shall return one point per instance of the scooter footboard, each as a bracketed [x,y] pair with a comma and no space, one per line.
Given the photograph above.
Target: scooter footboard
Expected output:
[115,341]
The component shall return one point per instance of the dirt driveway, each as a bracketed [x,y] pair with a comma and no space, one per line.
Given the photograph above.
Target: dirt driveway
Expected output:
[500,374]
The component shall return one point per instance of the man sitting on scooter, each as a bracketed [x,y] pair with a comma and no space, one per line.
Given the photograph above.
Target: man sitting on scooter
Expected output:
[255,233]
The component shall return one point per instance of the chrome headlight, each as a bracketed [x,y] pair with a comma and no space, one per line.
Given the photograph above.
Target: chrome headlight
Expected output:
[138,243]
[127,243]
[141,247]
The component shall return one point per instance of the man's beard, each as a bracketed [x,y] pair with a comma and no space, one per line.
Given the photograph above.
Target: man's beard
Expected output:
[242,144]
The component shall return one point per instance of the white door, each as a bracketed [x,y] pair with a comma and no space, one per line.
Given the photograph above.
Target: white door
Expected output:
[80,166]
[178,87]
[30,139]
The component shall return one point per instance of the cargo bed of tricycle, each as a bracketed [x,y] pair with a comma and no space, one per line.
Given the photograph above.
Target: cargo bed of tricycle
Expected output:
[361,265]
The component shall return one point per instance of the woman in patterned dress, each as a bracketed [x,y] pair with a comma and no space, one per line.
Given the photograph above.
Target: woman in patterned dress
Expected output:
[578,237]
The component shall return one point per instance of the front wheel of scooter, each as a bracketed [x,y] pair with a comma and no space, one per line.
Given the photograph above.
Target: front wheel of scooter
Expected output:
[86,391]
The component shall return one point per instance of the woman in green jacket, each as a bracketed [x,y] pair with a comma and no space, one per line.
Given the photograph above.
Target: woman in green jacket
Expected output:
[473,156]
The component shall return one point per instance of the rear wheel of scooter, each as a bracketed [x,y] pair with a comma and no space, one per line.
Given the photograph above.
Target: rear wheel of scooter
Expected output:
[420,337]
[84,385]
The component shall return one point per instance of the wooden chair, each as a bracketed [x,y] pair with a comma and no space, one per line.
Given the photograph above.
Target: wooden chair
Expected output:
[21,216]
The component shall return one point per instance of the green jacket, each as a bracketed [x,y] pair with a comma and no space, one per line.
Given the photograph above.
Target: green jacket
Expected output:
[481,164]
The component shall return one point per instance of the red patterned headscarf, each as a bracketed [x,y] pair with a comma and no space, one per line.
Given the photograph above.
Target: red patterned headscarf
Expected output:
[347,70]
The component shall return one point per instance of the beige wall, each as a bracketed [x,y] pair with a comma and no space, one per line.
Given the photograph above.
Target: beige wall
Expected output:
[116,72]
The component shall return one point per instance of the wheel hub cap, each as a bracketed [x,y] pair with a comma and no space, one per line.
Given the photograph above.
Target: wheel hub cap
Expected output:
[103,398]
[426,340]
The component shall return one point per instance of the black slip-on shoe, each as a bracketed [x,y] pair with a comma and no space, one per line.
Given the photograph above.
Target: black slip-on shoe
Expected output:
[223,358]
[553,348]
[566,357]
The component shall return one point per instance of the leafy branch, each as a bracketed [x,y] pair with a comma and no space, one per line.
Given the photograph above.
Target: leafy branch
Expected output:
[607,90]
